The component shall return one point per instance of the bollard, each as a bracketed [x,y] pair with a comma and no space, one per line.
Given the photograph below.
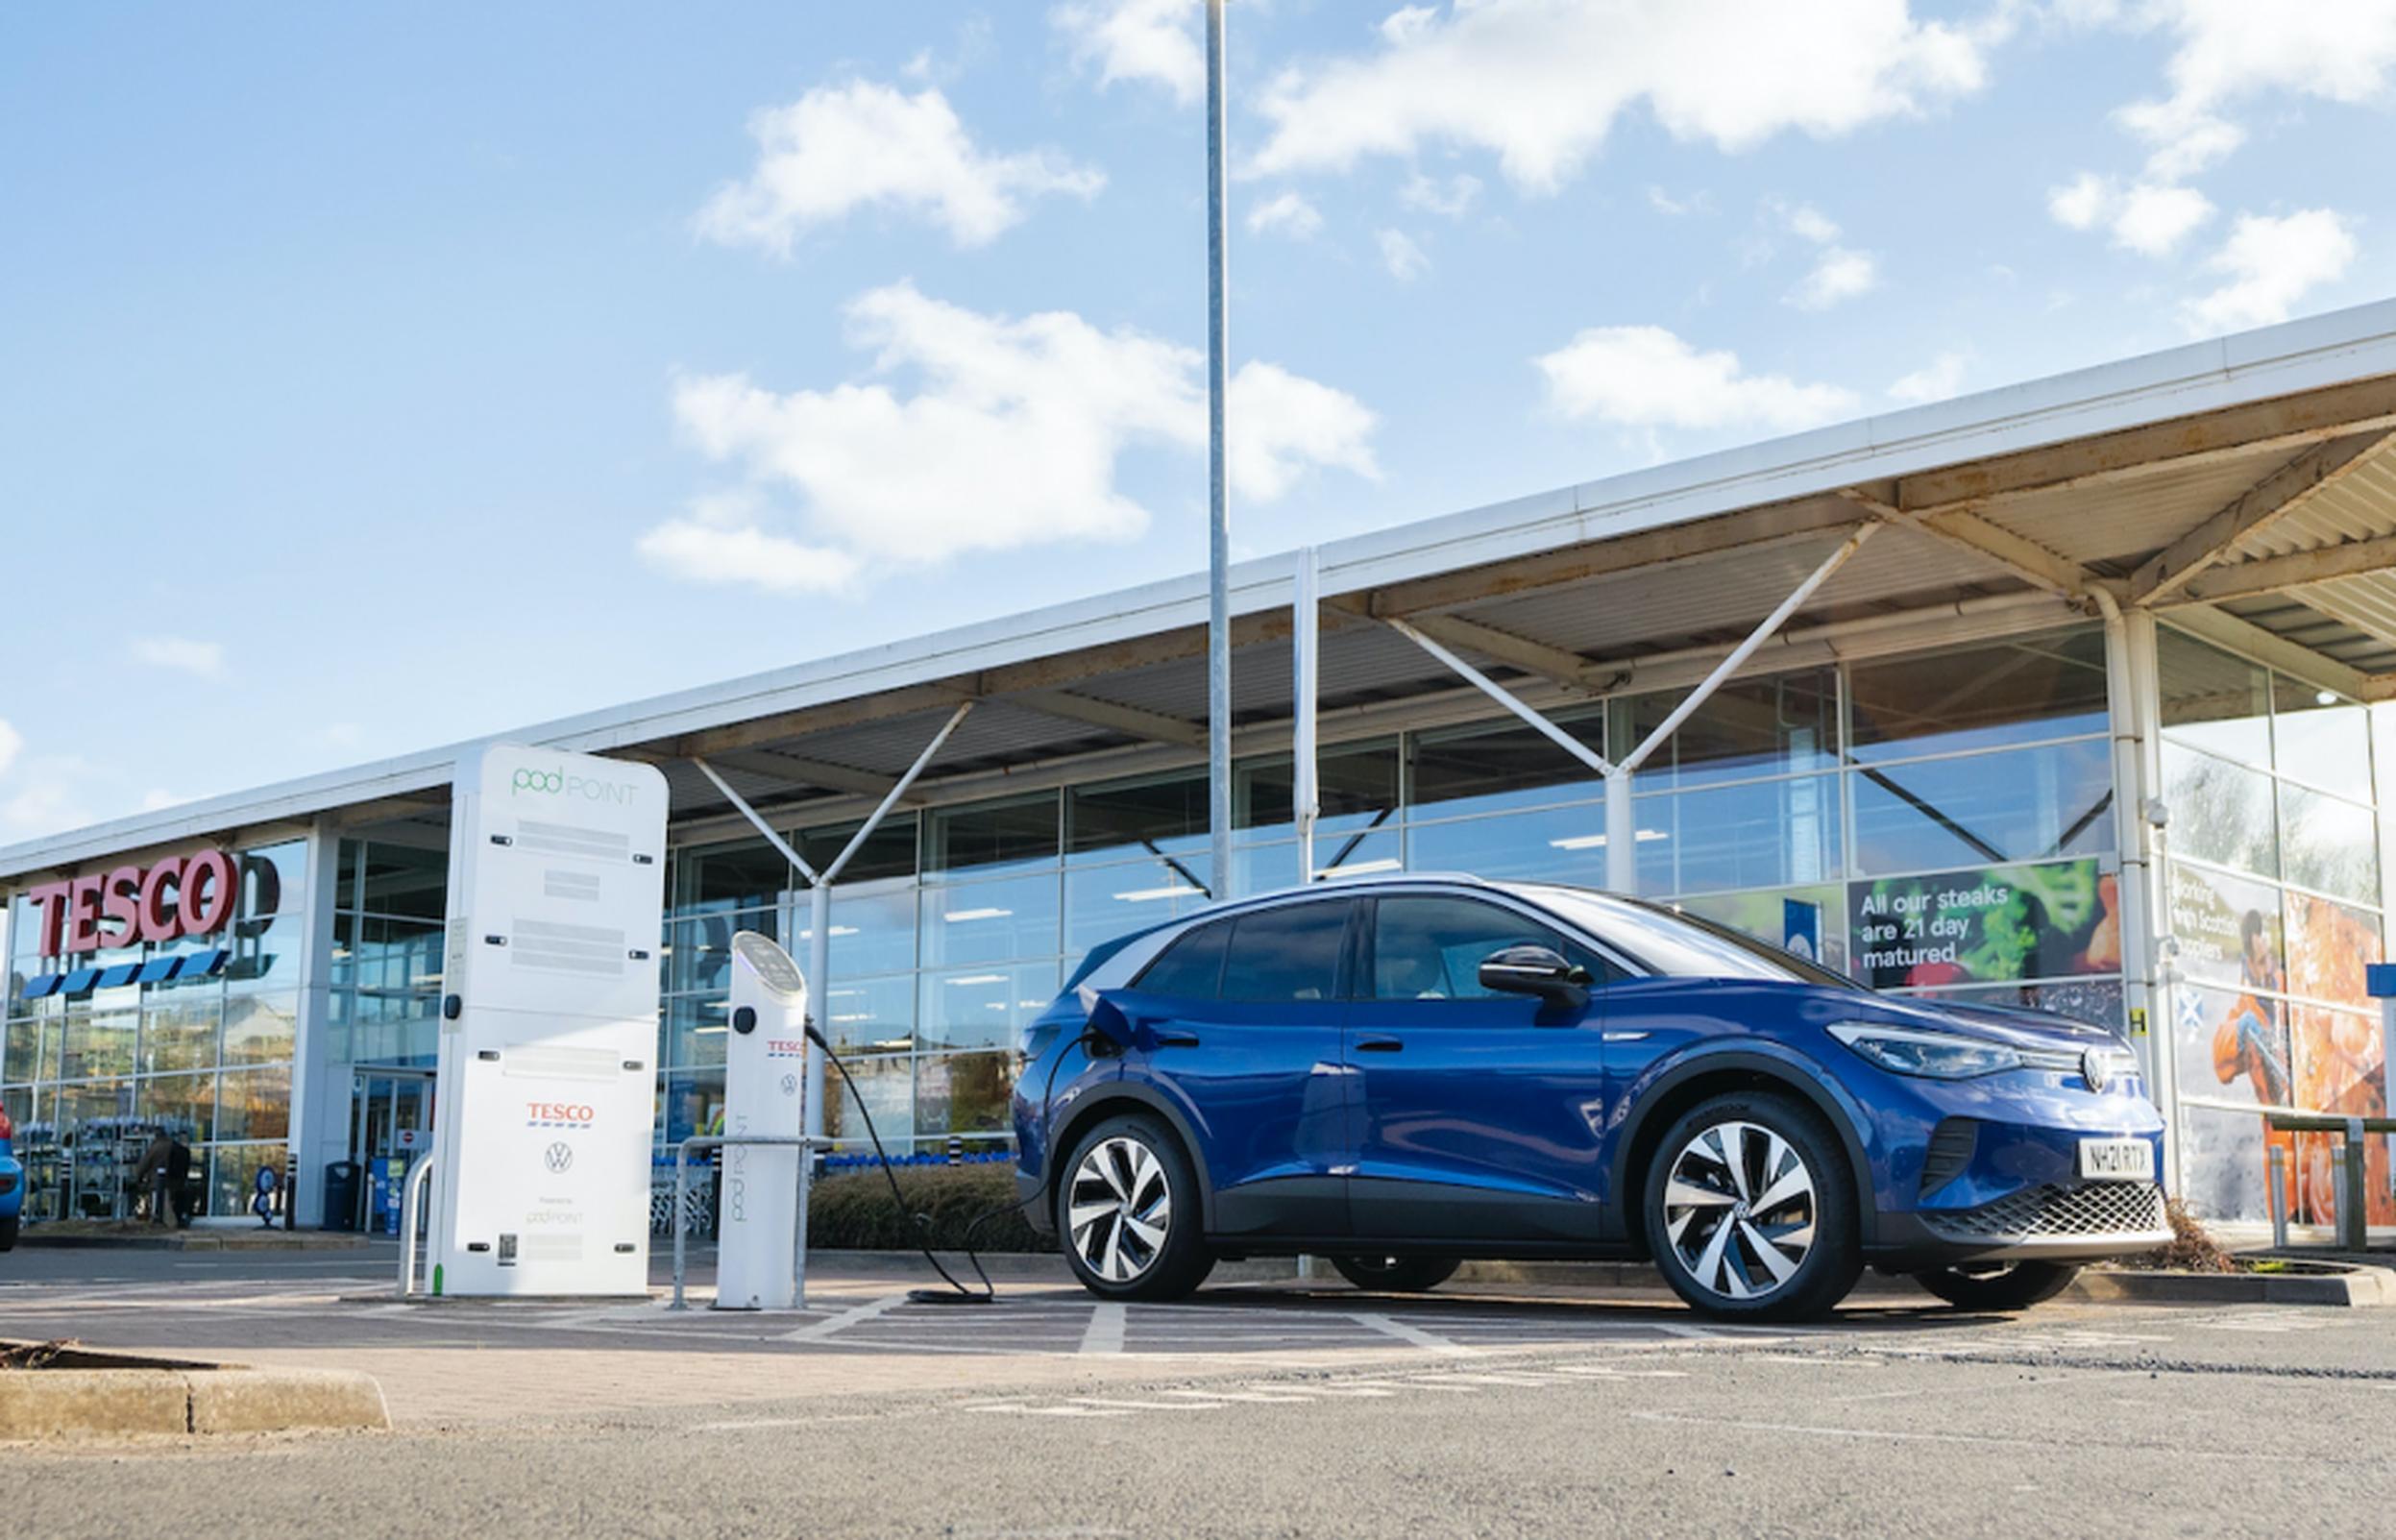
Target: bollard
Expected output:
[956,1150]
[2277,1161]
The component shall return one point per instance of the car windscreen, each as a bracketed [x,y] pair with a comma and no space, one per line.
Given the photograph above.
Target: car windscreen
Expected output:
[1681,944]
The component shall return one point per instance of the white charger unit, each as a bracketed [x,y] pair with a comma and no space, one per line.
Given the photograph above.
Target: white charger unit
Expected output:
[549,1025]
[765,1093]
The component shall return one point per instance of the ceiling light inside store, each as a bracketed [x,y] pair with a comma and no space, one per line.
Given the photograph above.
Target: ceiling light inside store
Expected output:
[980,978]
[961,916]
[1596,842]
[1149,896]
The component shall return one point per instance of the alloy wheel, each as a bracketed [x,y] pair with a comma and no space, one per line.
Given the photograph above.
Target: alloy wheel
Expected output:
[1739,1210]
[1121,1209]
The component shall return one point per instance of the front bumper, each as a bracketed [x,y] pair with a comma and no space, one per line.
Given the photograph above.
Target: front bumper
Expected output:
[2084,1221]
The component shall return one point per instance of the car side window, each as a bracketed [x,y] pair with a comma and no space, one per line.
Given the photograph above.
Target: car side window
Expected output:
[1288,953]
[1432,948]
[1193,966]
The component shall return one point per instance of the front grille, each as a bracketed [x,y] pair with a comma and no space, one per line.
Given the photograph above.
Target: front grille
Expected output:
[2097,1209]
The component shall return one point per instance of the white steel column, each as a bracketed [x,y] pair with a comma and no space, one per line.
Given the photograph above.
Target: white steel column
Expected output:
[2153,953]
[1306,651]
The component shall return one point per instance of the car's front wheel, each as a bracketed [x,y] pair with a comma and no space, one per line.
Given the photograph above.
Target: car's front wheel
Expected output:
[1396,1274]
[1128,1213]
[1999,1285]
[1751,1212]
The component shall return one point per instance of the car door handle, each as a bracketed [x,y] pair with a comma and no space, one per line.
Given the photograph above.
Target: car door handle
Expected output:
[1176,1038]
[1380,1045]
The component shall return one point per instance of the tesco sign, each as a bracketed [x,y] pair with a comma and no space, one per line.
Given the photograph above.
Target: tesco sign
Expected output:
[194,895]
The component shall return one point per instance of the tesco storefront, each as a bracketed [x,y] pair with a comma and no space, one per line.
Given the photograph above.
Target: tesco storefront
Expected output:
[2040,774]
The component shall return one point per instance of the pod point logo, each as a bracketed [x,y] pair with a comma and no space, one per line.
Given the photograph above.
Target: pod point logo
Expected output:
[583,788]
[559,1158]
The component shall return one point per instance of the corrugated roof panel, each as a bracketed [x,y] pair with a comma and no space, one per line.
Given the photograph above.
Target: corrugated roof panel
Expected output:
[2359,505]
[2135,516]
[2329,634]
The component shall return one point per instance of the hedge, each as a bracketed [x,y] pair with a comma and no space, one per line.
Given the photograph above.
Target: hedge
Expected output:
[854,1210]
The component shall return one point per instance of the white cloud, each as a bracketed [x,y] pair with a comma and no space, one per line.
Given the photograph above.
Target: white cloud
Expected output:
[1646,377]
[1936,381]
[2082,203]
[1540,83]
[1812,224]
[1286,213]
[12,744]
[2271,262]
[1663,202]
[2228,51]
[1009,437]
[344,735]
[2151,218]
[204,659]
[1838,274]
[703,552]
[2154,217]
[1152,40]
[44,795]
[1405,260]
[841,148]
[1447,197]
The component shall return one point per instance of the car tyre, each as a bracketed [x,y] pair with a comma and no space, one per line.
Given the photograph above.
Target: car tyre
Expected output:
[7,1233]
[1131,1185]
[2003,1286]
[1396,1274]
[1751,1211]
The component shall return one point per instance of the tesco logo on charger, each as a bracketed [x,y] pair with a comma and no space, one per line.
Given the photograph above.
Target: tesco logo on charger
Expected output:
[560,1114]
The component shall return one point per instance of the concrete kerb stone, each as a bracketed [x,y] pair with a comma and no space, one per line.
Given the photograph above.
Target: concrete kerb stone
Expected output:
[142,1399]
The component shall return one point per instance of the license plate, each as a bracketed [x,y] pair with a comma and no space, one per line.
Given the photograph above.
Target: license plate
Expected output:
[2116,1160]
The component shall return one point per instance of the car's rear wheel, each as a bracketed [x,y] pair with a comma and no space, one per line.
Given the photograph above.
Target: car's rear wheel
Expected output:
[1751,1212]
[1999,1285]
[1128,1214]
[1396,1274]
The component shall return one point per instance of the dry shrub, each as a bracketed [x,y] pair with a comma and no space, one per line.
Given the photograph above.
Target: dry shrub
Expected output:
[2192,1250]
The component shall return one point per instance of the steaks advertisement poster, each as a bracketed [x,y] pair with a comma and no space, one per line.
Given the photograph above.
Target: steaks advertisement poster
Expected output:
[1985,925]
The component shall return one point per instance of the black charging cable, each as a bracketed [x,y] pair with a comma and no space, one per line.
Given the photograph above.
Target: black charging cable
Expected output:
[956,1293]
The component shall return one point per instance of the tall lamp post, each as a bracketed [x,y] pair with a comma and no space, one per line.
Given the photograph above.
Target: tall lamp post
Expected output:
[1218,504]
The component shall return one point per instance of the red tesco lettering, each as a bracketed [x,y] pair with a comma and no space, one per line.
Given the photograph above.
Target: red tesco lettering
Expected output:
[194,895]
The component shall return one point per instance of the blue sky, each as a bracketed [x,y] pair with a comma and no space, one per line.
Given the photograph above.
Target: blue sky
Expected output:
[373,376]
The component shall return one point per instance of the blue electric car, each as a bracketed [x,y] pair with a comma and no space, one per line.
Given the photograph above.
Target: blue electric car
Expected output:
[1402,1074]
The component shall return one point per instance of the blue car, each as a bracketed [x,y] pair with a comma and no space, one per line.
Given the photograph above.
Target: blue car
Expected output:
[1403,1074]
[12,1183]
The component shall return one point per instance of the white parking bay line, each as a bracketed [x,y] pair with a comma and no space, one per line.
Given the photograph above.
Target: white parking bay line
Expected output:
[1148,1405]
[1105,1333]
[820,1330]
[1407,1331]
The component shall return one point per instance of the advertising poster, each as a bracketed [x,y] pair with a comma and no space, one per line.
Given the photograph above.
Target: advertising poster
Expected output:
[1804,921]
[1985,925]
[2241,1042]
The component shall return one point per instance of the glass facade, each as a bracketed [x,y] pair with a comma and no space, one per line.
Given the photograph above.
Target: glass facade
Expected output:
[2276,906]
[91,1076]
[1939,824]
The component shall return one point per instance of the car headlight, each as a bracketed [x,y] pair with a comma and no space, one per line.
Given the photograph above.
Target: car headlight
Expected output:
[1914,1051]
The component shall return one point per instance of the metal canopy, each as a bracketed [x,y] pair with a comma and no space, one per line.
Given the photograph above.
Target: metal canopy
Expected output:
[2245,489]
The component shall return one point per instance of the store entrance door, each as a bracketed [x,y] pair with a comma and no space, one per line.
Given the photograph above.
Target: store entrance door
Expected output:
[390,1130]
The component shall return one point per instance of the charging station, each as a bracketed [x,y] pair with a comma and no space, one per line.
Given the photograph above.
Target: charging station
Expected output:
[549,1025]
[765,1094]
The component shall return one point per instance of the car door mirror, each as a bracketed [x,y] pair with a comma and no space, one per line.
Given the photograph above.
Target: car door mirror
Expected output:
[1540,971]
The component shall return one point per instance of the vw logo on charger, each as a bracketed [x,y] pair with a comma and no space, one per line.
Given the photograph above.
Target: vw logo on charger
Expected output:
[559,1158]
